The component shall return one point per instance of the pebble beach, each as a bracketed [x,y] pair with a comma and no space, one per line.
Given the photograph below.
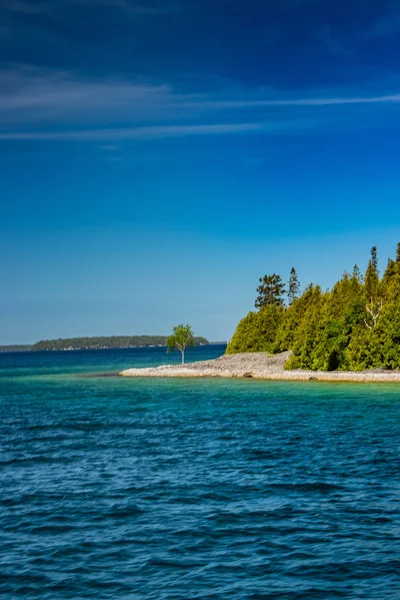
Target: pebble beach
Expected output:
[259,365]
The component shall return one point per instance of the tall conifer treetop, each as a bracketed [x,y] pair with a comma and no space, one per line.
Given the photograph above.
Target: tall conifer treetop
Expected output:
[294,286]
[270,291]
[356,275]
[372,276]
[374,258]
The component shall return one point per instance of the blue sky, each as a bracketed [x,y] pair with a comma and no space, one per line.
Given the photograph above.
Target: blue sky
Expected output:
[158,157]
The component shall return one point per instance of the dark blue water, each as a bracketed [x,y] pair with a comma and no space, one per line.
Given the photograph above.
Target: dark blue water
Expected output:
[129,489]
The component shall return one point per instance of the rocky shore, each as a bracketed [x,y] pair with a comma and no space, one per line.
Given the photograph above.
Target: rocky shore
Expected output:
[259,365]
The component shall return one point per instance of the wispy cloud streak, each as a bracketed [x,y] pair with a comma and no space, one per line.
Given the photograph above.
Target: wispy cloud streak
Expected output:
[231,104]
[46,92]
[38,103]
[136,133]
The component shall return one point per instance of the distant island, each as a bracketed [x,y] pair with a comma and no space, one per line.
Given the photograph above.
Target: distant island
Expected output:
[98,343]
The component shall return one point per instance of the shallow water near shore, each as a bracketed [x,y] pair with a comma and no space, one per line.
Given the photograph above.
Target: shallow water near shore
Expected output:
[180,489]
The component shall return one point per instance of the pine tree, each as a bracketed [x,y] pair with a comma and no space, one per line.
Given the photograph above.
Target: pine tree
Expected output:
[356,275]
[270,291]
[372,276]
[391,270]
[373,296]
[374,259]
[294,286]
[398,253]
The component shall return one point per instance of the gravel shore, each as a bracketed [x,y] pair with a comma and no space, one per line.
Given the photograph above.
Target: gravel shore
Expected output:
[259,365]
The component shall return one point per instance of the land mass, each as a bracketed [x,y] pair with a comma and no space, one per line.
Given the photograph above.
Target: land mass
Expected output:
[259,365]
[355,326]
[97,343]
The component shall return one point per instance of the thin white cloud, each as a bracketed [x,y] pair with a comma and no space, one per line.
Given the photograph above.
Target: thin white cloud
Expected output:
[136,133]
[232,104]
[39,93]
[28,93]
[36,103]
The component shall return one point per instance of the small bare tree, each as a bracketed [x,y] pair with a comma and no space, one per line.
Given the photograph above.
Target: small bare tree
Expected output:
[374,309]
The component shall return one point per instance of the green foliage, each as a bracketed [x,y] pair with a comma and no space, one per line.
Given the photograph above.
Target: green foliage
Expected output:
[356,275]
[257,332]
[371,287]
[391,270]
[95,343]
[294,286]
[374,259]
[15,348]
[293,319]
[354,326]
[181,339]
[270,291]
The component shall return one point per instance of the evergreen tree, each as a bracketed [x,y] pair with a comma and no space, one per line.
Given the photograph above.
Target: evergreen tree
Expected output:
[372,277]
[270,291]
[354,326]
[294,286]
[374,259]
[293,318]
[356,274]
[391,270]
[257,332]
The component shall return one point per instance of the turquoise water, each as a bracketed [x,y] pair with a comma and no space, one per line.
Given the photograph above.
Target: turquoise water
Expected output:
[129,489]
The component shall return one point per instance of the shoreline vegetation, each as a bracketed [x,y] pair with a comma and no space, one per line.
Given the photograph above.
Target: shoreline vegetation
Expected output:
[259,365]
[355,326]
[349,333]
[99,343]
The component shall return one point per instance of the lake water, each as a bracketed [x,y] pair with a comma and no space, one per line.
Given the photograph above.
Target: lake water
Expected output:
[193,489]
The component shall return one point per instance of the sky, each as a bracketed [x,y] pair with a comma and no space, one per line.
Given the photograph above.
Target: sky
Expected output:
[158,156]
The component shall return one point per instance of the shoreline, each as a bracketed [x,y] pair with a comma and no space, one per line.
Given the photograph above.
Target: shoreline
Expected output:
[261,366]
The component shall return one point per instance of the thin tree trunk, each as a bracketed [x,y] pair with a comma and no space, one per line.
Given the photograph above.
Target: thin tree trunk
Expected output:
[183,356]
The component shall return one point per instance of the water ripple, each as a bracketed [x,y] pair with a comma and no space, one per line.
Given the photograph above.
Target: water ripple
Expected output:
[192,490]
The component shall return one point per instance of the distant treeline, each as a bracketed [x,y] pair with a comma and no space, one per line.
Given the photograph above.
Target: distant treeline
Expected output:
[96,343]
[15,348]
[354,326]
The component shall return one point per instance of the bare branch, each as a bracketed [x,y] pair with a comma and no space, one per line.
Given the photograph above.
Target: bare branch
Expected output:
[367,324]
[374,311]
